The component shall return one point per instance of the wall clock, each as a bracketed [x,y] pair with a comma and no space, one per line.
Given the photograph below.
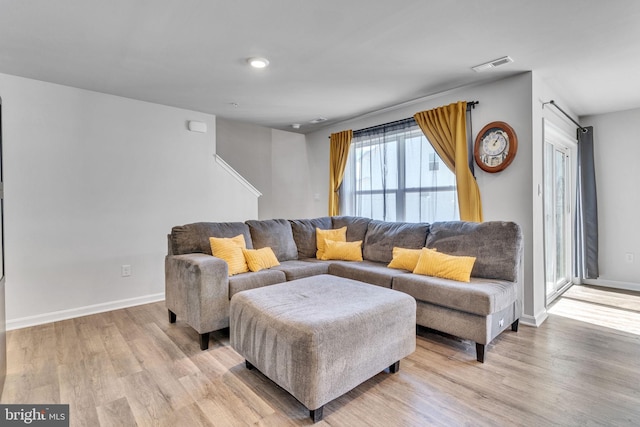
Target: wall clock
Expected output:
[495,147]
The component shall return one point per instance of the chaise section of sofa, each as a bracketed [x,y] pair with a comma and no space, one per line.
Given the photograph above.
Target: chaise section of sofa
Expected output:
[491,302]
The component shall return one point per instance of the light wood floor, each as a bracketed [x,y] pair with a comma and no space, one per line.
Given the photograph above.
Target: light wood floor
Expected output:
[131,367]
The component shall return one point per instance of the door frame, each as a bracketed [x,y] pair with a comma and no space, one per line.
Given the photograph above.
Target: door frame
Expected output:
[555,136]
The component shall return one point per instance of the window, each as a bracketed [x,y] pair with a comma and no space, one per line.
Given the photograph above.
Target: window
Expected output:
[394,174]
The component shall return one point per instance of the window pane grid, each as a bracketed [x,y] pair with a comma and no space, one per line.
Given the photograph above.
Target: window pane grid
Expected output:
[397,176]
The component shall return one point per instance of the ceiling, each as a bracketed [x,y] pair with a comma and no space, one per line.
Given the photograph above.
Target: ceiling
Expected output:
[332,59]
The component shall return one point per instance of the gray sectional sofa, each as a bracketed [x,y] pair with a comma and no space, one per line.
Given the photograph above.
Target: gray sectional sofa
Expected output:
[198,288]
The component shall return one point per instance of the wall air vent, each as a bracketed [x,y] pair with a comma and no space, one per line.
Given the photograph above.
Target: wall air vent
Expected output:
[492,64]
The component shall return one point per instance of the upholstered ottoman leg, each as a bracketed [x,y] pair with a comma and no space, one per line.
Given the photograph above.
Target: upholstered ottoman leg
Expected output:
[316,414]
[204,341]
[480,352]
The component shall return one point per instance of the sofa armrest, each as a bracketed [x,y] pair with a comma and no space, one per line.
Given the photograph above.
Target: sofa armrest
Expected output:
[197,290]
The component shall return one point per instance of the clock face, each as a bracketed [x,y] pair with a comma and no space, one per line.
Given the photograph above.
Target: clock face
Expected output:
[495,147]
[495,142]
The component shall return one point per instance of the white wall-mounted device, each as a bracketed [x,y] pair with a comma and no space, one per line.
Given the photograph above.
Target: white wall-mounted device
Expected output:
[197,126]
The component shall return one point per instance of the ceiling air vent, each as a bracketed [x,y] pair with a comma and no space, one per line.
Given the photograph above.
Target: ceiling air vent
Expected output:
[318,120]
[492,64]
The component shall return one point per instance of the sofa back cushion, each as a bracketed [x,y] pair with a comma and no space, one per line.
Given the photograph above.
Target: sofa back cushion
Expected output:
[381,237]
[194,238]
[356,226]
[304,234]
[276,234]
[497,246]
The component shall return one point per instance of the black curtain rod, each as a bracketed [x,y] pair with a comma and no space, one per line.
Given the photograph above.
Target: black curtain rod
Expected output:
[552,102]
[397,122]
[470,105]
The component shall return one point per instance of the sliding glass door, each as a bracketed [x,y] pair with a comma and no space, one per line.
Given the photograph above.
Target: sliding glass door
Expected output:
[559,190]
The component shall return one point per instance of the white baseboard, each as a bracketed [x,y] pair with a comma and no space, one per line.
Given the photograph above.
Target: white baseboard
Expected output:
[629,286]
[534,321]
[40,319]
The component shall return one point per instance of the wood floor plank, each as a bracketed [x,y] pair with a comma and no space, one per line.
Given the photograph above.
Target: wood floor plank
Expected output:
[603,315]
[238,408]
[68,342]
[105,385]
[626,300]
[116,413]
[189,416]
[148,404]
[76,390]
[122,358]
[131,367]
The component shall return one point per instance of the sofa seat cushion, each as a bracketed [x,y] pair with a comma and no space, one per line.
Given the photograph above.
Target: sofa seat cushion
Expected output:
[257,279]
[304,234]
[194,238]
[373,273]
[275,234]
[480,296]
[298,269]
[383,236]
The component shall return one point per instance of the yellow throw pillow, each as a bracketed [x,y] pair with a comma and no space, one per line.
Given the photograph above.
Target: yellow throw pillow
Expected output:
[432,263]
[259,259]
[337,235]
[230,250]
[344,251]
[405,259]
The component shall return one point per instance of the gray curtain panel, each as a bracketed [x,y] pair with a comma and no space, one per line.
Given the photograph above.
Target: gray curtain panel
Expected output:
[586,209]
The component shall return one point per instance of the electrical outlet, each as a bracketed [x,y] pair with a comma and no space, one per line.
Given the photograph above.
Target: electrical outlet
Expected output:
[629,257]
[125,270]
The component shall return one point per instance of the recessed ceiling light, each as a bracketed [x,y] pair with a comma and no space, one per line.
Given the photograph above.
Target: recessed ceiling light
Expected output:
[258,62]
[296,125]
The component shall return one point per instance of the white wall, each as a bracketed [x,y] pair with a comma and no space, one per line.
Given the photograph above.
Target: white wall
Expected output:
[505,195]
[247,148]
[92,182]
[273,161]
[291,185]
[616,153]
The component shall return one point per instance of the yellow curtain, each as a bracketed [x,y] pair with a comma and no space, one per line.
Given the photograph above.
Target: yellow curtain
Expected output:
[338,153]
[446,129]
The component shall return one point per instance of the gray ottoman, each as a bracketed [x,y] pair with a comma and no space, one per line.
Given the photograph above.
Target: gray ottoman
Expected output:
[321,336]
